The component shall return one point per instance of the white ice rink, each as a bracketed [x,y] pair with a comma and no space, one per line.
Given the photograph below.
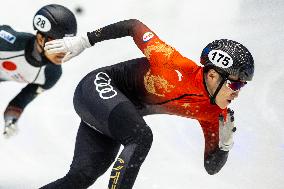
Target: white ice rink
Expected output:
[43,148]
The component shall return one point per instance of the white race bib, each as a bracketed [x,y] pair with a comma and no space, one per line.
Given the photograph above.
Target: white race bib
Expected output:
[220,58]
[42,23]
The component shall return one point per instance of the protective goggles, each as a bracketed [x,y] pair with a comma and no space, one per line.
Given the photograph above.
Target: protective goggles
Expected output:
[235,85]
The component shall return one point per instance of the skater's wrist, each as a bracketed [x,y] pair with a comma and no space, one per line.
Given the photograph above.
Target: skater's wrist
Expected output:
[12,113]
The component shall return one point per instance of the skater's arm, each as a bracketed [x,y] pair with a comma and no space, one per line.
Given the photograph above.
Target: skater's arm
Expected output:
[156,51]
[26,95]
[73,46]
[120,29]
[146,40]
[214,157]
[141,34]
[15,108]
[31,91]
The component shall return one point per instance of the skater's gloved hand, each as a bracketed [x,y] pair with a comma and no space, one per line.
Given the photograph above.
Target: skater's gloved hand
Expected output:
[11,117]
[72,46]
[226,131]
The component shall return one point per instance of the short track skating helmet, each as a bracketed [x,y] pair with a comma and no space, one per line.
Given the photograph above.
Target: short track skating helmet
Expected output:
[228,57]
[55,21]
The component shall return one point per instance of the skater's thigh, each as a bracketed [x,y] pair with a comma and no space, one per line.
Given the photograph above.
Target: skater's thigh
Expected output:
[94,99]
[93,149]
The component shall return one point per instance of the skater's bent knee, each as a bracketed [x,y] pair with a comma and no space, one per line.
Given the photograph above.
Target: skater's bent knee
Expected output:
[145,135]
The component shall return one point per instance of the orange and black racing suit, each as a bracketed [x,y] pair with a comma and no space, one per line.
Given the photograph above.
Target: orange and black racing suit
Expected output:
[112,101]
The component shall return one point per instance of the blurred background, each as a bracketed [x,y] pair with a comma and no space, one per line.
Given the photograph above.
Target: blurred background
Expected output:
[43,149]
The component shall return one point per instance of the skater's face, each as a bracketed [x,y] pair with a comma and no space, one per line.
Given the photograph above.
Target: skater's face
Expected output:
[229,90]
[54,58]
[226,95]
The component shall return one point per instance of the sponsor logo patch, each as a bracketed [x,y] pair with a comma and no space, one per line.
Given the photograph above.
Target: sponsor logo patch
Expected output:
[7,36]
[147,36]
[102,83]
[179,75]
[8,65]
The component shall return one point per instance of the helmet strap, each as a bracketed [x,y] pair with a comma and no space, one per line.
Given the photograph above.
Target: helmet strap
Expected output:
[224,76]
[213,97]
[42,47]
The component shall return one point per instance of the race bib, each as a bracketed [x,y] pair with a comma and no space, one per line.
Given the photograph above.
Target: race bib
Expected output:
[42,23]
[220,58]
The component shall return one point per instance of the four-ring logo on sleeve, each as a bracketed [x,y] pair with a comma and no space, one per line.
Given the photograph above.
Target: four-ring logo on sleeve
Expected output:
[103,86]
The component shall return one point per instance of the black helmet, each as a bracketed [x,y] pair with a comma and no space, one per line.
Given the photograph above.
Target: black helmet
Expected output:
[55,21]
[229,58]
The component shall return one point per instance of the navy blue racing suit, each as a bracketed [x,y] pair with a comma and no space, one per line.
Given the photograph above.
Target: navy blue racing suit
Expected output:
[20,61]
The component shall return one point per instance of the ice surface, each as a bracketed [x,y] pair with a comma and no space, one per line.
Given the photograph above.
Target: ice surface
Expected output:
[43,149]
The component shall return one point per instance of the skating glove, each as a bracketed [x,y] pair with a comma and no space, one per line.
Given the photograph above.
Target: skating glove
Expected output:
[72,46]
[11,117]
[226,131]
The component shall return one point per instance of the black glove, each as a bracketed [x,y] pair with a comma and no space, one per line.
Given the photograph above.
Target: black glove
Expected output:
[11,116]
